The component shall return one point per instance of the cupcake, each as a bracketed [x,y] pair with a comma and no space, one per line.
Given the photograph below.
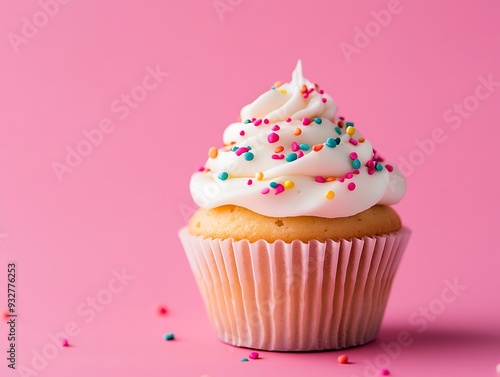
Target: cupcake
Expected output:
[295,245]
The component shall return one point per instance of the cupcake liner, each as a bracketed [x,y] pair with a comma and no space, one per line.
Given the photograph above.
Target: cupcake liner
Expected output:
[295,296]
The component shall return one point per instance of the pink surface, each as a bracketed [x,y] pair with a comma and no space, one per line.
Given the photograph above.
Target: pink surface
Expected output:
[416,84]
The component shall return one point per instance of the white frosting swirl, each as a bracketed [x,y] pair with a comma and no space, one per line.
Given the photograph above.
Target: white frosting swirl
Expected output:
[292,156]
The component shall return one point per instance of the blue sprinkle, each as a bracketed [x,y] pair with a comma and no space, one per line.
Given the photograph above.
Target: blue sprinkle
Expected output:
[338,130]
[273,184]
[304,147]
[169,336]
[223,175]
[235,149]
[330,142]
[248,156]
[244,359]
[247,121]
[379,166]
[318,120]
[349,124]
[356,164]
[337,140]
[291,157]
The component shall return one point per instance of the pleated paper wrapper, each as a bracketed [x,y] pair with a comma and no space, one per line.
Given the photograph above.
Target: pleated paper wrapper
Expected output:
[295,296]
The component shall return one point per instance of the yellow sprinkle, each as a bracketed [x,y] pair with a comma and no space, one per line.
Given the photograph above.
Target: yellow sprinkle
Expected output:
[259,176]
[213,152]
[288,184]
[350,130]
[283,91]
[330,194]
[277,84]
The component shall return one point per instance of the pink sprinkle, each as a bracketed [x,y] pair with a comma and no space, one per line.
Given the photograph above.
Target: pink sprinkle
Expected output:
[241,150]
[242,133]
[341,179]
[249,182]
[311,90]
[278,156]
[257,122]
[300,154]
[305,95]
[266,121]
[389,167]
[353,155]
[320,179]
[65,342]
[288,120]
[351,186]
[279,189]
[265,191]
[162,310]
[356,171]
[253,119]
[306,121]
[201,168]
[321,91]
[369,164]
[295,146]
[273,137]
[348,175]
[353,141]
[323,100]
[371,171]
[254,355]
[384,372]
[276,128]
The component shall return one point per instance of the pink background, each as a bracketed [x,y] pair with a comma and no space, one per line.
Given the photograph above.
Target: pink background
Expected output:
[122,205]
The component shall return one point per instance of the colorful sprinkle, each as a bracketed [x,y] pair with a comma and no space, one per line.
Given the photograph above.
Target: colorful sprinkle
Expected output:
[242,133]
[337,140]
[275,128]
[338,130]
[323,100]
[249,182]
[320,179]
[244,359]
[330,179]
[356,164]
[384,372]
[341,179]
[239,151]
[349,175]
[213,152]
[273,137]
[304,147]
[389,167]
[279,189]
[317,147]
[361,139]
[350,130]
[349,124]
[258,122]
[330,142]
[248,156]
[295,146]
[168,336]
[291,157]
[343,359]
[306,121]
[254,355]
[279,149]
[277,84]
[378,166]
[318,120]
[351,186]
[65,342]
[266,121]
[161,310]
[223,175]
[288,120]
[201,168]
[259,176]
[300,154]
[305,95]
[265,191]
[297,131]
[283,91]
[278,156]
[288,184]
[303,89]
[353,155]
[371,171]
[353,141]
[329,195]
[273,184]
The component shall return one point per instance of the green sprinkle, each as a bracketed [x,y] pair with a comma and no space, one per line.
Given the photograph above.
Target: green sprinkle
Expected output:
[379,166]
[273,184]
[168,336]
[305,147]
[338,130]
[356,164]
[223,175]
[330,142]
[318,120]
[248,156]
[291,157]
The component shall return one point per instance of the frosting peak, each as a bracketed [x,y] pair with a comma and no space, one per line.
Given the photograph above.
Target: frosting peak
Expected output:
[291,155]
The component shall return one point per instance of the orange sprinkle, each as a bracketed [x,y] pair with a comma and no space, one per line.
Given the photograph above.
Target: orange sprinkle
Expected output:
[361,139]
[277,84]
[206,170]
[238,119]
[330,179]
[279,149]
[318,147]
[341,124]
[213,152]
[303,89]
[297,131]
